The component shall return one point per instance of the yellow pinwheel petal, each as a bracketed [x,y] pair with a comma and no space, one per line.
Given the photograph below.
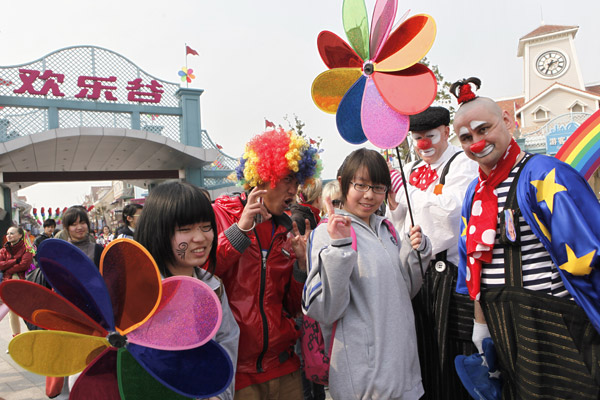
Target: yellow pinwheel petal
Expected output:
[55,353]
[330,86]
[408,44]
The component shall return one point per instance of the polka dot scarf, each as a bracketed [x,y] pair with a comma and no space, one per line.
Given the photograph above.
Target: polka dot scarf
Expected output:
[423,176]
[481,230]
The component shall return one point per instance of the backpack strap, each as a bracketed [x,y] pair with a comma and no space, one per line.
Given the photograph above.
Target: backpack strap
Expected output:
[391,228]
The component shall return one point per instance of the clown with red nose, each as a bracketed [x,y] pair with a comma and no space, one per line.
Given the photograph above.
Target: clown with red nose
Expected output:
[437,183]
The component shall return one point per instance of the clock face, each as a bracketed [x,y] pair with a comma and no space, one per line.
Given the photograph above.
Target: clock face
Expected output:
[551,64]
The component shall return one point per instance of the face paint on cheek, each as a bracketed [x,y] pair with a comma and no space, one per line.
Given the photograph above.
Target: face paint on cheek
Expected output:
[181,250]
[434,136]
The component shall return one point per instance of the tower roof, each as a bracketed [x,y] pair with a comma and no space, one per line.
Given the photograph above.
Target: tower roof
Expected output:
[545,30]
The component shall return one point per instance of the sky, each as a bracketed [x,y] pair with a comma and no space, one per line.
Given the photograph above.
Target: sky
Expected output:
[257,59]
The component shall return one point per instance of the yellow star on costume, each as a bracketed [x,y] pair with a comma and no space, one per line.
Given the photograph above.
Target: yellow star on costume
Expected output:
[543,228]
[547,188]
[578,266]
[464,232]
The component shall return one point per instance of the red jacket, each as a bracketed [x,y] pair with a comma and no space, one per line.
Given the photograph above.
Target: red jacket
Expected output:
[263,300]
[15,260]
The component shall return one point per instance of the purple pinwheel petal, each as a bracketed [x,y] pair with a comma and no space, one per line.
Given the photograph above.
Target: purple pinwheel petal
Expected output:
[383,126]
[200,372]
[189,315]
[381,24]
[74,276]
[348,114]
[98,381]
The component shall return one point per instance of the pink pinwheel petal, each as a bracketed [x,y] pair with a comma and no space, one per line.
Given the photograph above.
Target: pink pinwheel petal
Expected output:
[329,87]
[407,45]
[409,91]
[336,53]
[356,25]
[381,24]
[133,282]
[188,316]
[98,381]
[383,126]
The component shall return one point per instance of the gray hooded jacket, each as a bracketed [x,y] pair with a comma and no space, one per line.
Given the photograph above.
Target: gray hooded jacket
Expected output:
[368,292]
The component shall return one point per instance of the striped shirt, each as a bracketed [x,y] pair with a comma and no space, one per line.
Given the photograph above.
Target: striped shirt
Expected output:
[539,272]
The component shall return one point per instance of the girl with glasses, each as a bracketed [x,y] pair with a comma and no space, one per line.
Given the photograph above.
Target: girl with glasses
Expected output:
[361,279]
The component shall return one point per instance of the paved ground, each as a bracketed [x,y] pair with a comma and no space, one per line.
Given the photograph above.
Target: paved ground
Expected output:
[15,382]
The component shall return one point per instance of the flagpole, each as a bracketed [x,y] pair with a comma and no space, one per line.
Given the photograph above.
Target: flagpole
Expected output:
[186,68]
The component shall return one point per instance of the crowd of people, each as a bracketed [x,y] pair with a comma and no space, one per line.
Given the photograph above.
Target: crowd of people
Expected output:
[408,273]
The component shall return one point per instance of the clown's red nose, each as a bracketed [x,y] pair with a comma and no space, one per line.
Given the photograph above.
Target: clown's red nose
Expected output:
[424,144]
[478,147]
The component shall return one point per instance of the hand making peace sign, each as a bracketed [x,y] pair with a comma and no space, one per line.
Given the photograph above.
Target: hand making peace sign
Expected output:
[338,226]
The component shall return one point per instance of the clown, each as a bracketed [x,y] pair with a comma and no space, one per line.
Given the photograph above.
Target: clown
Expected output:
[530,237]
[436,186]
[261,259]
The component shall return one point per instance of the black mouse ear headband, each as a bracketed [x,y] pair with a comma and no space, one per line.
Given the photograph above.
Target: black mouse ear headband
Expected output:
[465,93]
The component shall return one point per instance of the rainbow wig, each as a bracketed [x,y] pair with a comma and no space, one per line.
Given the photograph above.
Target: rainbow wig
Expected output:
[272,155]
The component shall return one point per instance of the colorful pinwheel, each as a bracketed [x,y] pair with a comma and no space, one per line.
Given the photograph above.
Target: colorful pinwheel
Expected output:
[133,336]
[187,74]
[374,85]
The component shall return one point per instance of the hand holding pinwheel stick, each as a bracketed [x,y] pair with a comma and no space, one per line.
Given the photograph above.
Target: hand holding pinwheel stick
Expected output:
[133,336]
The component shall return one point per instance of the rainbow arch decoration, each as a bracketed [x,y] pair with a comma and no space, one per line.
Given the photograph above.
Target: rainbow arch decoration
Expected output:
[582,149]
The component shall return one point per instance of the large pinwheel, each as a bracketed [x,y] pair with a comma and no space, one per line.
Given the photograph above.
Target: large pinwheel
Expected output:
[374,85]
[133,336]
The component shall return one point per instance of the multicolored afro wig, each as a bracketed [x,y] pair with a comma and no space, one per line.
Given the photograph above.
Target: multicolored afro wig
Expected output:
[272,155]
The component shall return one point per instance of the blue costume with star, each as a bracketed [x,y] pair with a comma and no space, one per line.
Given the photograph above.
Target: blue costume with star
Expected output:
[564,214]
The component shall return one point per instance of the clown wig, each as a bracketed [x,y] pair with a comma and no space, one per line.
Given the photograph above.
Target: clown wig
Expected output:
[272,155]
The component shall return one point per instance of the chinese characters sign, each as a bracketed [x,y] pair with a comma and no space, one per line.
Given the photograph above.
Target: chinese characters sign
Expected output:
[48,83]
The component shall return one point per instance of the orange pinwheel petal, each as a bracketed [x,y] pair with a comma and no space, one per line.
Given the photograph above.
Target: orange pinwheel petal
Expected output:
[409,91]
[133,283]
[330,86]
[36,306]
[55,353]
[408,44]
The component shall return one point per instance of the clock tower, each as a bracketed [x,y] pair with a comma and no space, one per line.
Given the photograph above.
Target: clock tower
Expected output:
[549,57]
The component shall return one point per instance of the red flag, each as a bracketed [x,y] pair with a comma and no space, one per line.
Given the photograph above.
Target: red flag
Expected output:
[189,50]
[269,124]
[219,146]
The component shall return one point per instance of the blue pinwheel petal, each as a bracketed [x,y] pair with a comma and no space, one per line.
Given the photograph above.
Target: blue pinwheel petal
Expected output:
[181,73]
[75,277]
[348,113]
[200,372]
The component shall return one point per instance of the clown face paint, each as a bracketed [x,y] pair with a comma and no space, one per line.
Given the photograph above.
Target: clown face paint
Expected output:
[431,144]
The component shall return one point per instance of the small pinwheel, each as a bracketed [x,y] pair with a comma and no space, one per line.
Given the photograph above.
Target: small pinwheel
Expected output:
[187,75]
[133,336]
[374,85]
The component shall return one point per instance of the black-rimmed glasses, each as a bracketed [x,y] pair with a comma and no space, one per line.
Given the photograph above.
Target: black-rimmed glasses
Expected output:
[363,187]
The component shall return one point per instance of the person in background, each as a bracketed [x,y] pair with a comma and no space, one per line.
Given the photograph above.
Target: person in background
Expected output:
[15,258]
[178,228]
[76,224]
[331,190]
[49,227]
[307,208]
[131,213]
[105,237]
[366,293]
[262,261]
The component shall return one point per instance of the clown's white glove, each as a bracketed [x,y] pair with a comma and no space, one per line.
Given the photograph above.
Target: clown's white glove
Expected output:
[480,332]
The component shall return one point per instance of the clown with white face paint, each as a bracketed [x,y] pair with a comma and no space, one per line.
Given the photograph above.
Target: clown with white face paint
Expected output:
[436,187]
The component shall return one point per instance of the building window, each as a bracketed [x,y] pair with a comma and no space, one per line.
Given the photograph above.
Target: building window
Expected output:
[577,107]
[540,114]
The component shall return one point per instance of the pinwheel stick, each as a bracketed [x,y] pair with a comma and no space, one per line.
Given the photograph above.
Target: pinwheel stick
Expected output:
[412,220]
